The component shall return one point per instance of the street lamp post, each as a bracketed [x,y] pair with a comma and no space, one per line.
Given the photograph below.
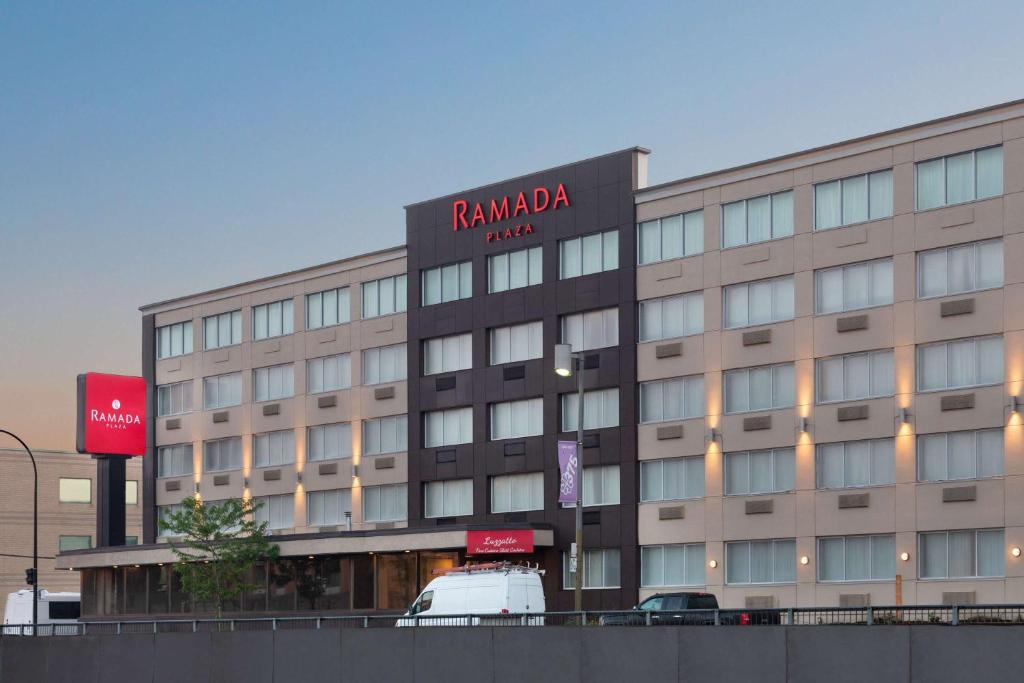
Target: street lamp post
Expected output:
[35,532]
[568,363]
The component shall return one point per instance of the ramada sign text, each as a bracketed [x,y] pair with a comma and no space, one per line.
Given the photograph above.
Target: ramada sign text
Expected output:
[506,208]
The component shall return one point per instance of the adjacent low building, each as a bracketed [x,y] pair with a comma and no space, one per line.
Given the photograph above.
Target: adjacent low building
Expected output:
[802,380]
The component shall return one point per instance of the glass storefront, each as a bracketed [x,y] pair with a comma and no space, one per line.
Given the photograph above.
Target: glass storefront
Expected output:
[383,581]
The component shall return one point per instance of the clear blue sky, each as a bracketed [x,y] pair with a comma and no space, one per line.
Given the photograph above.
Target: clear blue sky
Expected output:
[149,150]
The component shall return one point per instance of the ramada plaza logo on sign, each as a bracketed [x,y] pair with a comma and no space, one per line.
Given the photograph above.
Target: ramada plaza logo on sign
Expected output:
[524,204]
[114,419]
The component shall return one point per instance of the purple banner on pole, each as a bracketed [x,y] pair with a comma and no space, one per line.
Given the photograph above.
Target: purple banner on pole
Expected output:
[569,471]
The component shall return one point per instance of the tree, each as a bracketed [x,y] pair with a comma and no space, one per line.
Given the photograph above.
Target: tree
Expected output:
[217,546]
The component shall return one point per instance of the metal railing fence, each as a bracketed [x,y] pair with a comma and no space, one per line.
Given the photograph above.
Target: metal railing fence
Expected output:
[942,615]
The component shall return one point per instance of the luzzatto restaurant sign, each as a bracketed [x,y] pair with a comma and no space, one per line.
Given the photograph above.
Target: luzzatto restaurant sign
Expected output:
[499,542]
[111,414]
[465,217]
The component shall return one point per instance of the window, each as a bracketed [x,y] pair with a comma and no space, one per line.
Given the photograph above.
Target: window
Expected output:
[385,364]
[752,472]
[220,455]
[384,503]
[174,399]
[384,296]
[273,319]
[672,316]
[163,513]
[759,303]
[131,540]
[448,498]
[600,486]
[273,448]
[679,398]
[174,340]
[220,330]
[600,569]
[760,561]
[960,455]
[961,554]
[221,391]
[670,237]
[66,543]
[274,382]
[328,508]
[600,409]
[447,283]
[174,461]
[591,330]
[385,435]
[588,254]
[671,479]
[447,427]
[757,220]
[327,308]
[514,419]
[963,363]
[131,492]
[763,388]
[852,464]
[961,268]
[855,376]
[852,200]
[960,178]
[329,442]
[448,354]
[672,565]
[857,558]
[517,492]
[329,373]
[513,270]
[516,342]
[277,511]
[854,286]
[75,490]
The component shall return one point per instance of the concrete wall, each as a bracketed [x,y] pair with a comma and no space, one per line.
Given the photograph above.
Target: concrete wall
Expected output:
[565,655]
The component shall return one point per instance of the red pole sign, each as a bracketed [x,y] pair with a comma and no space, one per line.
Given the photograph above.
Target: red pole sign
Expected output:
[111,414]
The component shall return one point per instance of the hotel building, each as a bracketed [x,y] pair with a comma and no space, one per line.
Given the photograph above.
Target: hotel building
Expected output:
[802,380]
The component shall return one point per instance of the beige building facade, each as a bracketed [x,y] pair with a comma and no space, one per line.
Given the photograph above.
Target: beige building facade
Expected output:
[861,303]
[67,514]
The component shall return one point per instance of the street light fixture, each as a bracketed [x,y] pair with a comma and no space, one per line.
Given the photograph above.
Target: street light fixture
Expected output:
[566,364]
[35,533]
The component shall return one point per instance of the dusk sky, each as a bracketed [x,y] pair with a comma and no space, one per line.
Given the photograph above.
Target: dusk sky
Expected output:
[152,150]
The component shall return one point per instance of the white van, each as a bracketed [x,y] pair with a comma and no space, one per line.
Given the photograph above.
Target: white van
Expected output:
[56,609]
[478,595]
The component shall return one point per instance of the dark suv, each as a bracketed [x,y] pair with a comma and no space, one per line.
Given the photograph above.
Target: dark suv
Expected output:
[686,609]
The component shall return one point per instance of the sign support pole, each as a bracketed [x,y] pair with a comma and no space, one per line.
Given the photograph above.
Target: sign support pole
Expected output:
[110,500]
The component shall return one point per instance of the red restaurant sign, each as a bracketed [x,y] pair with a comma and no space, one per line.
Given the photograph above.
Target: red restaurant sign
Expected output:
[499,542]
[466,216]
[111,414]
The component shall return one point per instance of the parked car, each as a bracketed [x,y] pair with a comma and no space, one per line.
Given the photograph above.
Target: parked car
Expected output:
[58,609]
[487,592]
[677,609]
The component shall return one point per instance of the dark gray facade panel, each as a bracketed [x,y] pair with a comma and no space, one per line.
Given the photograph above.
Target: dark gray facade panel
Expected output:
[600,193]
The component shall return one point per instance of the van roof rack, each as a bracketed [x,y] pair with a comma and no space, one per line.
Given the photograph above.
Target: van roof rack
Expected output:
[504,565]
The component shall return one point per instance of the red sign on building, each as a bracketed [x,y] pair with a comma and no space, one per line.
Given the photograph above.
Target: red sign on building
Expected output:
[111,414]
[499,542]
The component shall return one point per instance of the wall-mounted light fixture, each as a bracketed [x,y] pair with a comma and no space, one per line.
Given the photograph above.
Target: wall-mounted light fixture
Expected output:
[1014,403]
[197,487]
[712,436]
[713,563]
[355,470]
[803,424]
[804,560]
[904,556]
[298,477]
[245,482]
[1015,551]
[904,416]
